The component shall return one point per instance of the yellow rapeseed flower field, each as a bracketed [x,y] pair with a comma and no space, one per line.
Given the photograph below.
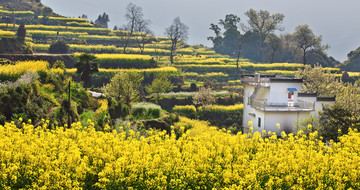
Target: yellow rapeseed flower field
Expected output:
[202,158]
[103,106]
[17,13]
[231,108]
[184,108]
[58,28]
[66,19]
[12,72]
[6,34]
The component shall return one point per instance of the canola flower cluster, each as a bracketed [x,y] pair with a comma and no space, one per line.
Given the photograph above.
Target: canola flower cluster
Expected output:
[17,13]
[182,108]
[103,106]
[126,61]
[13,72]
[6,34]
[65,19]
[206,75]
[203,157]
[222,108]
[79,24]
[60,28]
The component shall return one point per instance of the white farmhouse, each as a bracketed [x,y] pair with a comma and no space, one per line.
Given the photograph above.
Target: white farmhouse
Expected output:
[270,100]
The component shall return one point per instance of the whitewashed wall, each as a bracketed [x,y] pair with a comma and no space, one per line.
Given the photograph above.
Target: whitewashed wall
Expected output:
[279,92]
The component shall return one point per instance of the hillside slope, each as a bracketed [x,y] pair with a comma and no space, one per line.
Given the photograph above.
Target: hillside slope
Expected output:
[27,5]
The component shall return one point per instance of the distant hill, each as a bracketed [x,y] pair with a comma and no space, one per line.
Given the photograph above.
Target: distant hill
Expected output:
[353,61]
[27,5]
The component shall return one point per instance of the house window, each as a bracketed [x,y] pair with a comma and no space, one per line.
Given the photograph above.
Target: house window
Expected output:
[259,122]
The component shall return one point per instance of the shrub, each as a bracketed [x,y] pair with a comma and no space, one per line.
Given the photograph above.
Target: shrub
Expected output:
[145,110]
[21,32]
[193,87]
[59,47]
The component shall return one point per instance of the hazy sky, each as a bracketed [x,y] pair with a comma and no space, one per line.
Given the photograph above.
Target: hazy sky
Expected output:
[337,21]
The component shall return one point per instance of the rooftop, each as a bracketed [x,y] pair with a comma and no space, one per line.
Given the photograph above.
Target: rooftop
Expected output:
[265,80]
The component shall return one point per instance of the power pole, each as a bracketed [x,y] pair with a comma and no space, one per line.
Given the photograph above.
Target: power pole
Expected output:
[69,122]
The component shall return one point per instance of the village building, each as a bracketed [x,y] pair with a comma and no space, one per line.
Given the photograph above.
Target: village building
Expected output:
[275,103]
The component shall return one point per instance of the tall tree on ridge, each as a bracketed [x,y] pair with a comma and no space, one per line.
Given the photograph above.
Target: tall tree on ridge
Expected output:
[263,23]
[136,22]
[102,21]
[306,40]
[177,31]
[274,44]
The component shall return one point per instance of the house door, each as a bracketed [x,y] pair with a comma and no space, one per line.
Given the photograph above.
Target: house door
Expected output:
[291,98]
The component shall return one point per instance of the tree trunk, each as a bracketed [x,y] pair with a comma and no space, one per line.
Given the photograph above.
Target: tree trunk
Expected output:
[172,51]
[272,57]
[127,41]
[304,58]
[171,57]
[237,60]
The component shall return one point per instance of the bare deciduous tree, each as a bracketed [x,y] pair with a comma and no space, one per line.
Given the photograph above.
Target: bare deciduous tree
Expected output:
[136,22]
[177,31]
[204,97]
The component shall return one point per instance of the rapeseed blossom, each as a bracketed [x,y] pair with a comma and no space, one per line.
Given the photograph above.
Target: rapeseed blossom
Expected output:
[202,158]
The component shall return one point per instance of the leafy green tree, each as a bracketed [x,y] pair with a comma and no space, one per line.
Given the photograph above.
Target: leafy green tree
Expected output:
[228,43]
[124,87]
[274,43]
[102,21]
[218,39]
[306,40]
[232,41]
[315,80]
[177,32]
[349,97]
[353,61]
[159,85]
[86,66]
[336,121]
[263,23]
